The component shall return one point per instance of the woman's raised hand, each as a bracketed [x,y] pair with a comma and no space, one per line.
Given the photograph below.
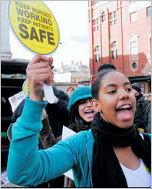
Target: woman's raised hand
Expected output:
[39,71]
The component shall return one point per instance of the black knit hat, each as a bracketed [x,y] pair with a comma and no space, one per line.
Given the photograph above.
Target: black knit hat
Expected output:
[137,87]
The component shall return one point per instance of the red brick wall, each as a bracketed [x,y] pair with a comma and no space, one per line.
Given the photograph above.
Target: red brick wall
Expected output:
[121,32]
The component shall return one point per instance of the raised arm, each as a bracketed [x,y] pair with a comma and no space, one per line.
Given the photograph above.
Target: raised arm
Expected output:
[27,165]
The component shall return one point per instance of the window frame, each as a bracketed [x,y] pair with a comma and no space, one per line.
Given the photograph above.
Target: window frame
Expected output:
[97,53]
[133,20]
[114,50]
[148,8]
[95,24]
[133,44]
[113,18]
[103,15]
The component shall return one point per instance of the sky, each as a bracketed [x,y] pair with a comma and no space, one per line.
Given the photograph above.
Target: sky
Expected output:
[72,20]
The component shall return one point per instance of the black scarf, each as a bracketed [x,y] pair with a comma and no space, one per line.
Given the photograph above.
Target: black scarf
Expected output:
[106,170]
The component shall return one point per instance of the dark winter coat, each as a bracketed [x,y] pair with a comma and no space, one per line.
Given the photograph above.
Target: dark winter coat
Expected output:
[143,114]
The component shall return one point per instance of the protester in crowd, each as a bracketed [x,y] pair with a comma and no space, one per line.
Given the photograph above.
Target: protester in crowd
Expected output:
[70,91]
[57,116]
[46,138]
[81,115]
[113,153]
[143,110]
[81,110]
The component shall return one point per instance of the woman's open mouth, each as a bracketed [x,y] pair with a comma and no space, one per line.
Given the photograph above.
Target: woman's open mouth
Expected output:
[89,113]
[125,112]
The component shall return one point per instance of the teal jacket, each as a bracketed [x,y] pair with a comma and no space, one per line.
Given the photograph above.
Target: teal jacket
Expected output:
[29,166]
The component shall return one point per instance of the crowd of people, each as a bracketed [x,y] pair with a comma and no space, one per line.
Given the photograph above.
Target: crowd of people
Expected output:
[112,121]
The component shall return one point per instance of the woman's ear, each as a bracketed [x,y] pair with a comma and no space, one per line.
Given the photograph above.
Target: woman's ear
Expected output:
[96,105]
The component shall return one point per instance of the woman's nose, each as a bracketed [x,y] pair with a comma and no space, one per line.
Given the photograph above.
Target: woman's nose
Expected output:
[123,94]
[88,103]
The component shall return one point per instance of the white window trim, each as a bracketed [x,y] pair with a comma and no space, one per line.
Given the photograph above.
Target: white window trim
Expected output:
[96,26]
[113,19]
[97,52]
[131,39]
[106,15]
[114,48]
[136,18]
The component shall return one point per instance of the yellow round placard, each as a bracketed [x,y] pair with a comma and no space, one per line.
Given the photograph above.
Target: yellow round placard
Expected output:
[26,89]
[34,25]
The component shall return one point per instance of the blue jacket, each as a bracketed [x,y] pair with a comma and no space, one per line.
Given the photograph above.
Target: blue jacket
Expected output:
[54,111]
[29,166]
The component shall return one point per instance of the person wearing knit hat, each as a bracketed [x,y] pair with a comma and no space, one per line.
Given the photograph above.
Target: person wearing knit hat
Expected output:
[81,110]
[79,94]
[137,88]
[81,114]
[142,117]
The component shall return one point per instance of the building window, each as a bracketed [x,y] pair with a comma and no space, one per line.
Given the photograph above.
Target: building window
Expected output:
[133,48]
[103,17]
[133,45]
[97,57]
[114,50]
[148,11]
[97,54]
[97,49]
[95,24]
[133,17]
[113,18]
[134,65]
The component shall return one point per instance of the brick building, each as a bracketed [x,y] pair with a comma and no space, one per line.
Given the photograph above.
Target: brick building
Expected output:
[120,33]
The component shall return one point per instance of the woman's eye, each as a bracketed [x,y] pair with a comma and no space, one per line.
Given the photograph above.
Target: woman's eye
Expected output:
[128,89]
[112,92]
